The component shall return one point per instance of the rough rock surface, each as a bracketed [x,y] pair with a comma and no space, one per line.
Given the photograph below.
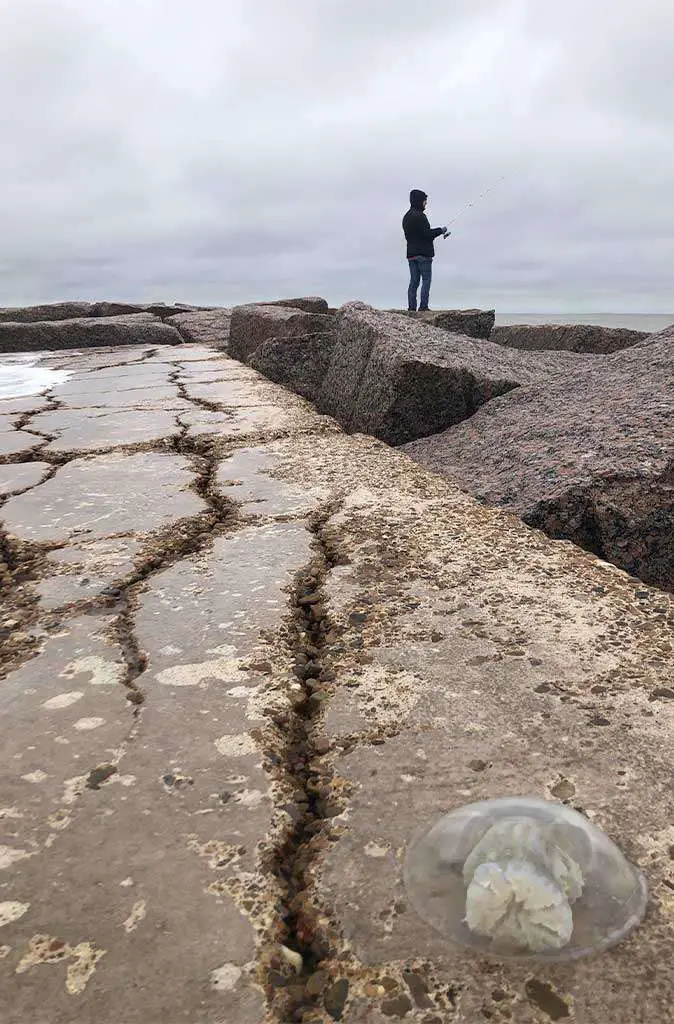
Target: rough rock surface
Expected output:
[587,457]
[310,304]
[208,327]
[474,323]
[86,332]
[398,379]
[299,363]
[251,325]
[70,310]
[239,679]
[572,337]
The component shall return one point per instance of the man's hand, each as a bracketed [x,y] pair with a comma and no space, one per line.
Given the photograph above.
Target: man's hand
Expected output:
[446,233]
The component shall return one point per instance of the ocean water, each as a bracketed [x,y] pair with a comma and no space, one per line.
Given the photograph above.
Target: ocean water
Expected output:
[652,322]
[20,376]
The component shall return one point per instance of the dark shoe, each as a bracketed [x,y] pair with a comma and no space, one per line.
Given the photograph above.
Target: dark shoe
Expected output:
[425,309]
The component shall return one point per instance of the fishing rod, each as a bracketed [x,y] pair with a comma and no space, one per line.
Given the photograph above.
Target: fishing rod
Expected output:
[478,198]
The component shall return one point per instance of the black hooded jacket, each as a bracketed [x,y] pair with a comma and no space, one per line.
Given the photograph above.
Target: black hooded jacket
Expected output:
[418,231]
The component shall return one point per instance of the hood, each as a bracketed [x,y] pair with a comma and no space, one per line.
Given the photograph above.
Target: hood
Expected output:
[417,199]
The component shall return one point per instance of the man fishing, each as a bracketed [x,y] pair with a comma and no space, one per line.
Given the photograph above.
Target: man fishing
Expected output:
[420,249]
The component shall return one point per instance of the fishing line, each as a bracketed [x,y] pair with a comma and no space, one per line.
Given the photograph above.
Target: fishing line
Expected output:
[477,199]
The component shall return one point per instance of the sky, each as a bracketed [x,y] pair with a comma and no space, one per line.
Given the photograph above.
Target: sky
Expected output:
[223,151]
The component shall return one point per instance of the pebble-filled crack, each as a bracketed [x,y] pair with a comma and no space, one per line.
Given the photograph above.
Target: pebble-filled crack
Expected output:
[291,970]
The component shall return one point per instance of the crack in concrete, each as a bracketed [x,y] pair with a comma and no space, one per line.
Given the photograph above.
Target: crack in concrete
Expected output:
[299,767]
[123,631]
[295,753]
[199,403]
[19,567]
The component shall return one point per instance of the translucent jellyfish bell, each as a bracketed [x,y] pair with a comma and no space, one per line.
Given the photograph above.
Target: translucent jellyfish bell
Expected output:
[520,877]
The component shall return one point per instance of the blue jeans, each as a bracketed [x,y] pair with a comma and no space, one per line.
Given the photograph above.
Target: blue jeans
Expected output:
[421,270]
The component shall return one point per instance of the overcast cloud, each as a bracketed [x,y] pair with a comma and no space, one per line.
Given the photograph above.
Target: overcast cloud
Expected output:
[219,151]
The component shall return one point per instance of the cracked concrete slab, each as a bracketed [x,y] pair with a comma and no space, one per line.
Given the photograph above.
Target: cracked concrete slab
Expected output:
[116,861]
[247,477]
[113,379]
[95,359]
[15,442]
[65,711]
[138,398]
[242,392]
[103,495]
[163,866]
[18,406]
[126,895]
[81,430]
[472,659]
[21,476]
[211,376]
[255,421]
[86,571]
[350,649]
[213,370]
[231,593]
[186,353]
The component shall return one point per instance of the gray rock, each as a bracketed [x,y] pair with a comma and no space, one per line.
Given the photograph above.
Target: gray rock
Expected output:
[309,304]
[299,363]
[399,379]
[474,323]
[86,332]
[572,337]
[251,325]
[587,457]
[70,310]
[206,327]
[48,311]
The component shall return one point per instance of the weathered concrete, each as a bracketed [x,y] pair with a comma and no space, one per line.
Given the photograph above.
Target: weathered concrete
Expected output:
[88,570]
[21,476]
[100,359]
[259,422]
[115,379]
[85,332]
[322,651]
[139,874]
[105,495]
[84,430]
[70,701]
[572,337]
[17,406]
[241,407]
[399,379]
[15,442]
[473,659]
[188,353]
[241,392]
[247,477]
[252,325]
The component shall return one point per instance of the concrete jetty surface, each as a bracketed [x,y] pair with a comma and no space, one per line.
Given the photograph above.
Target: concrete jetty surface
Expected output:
[247,657]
